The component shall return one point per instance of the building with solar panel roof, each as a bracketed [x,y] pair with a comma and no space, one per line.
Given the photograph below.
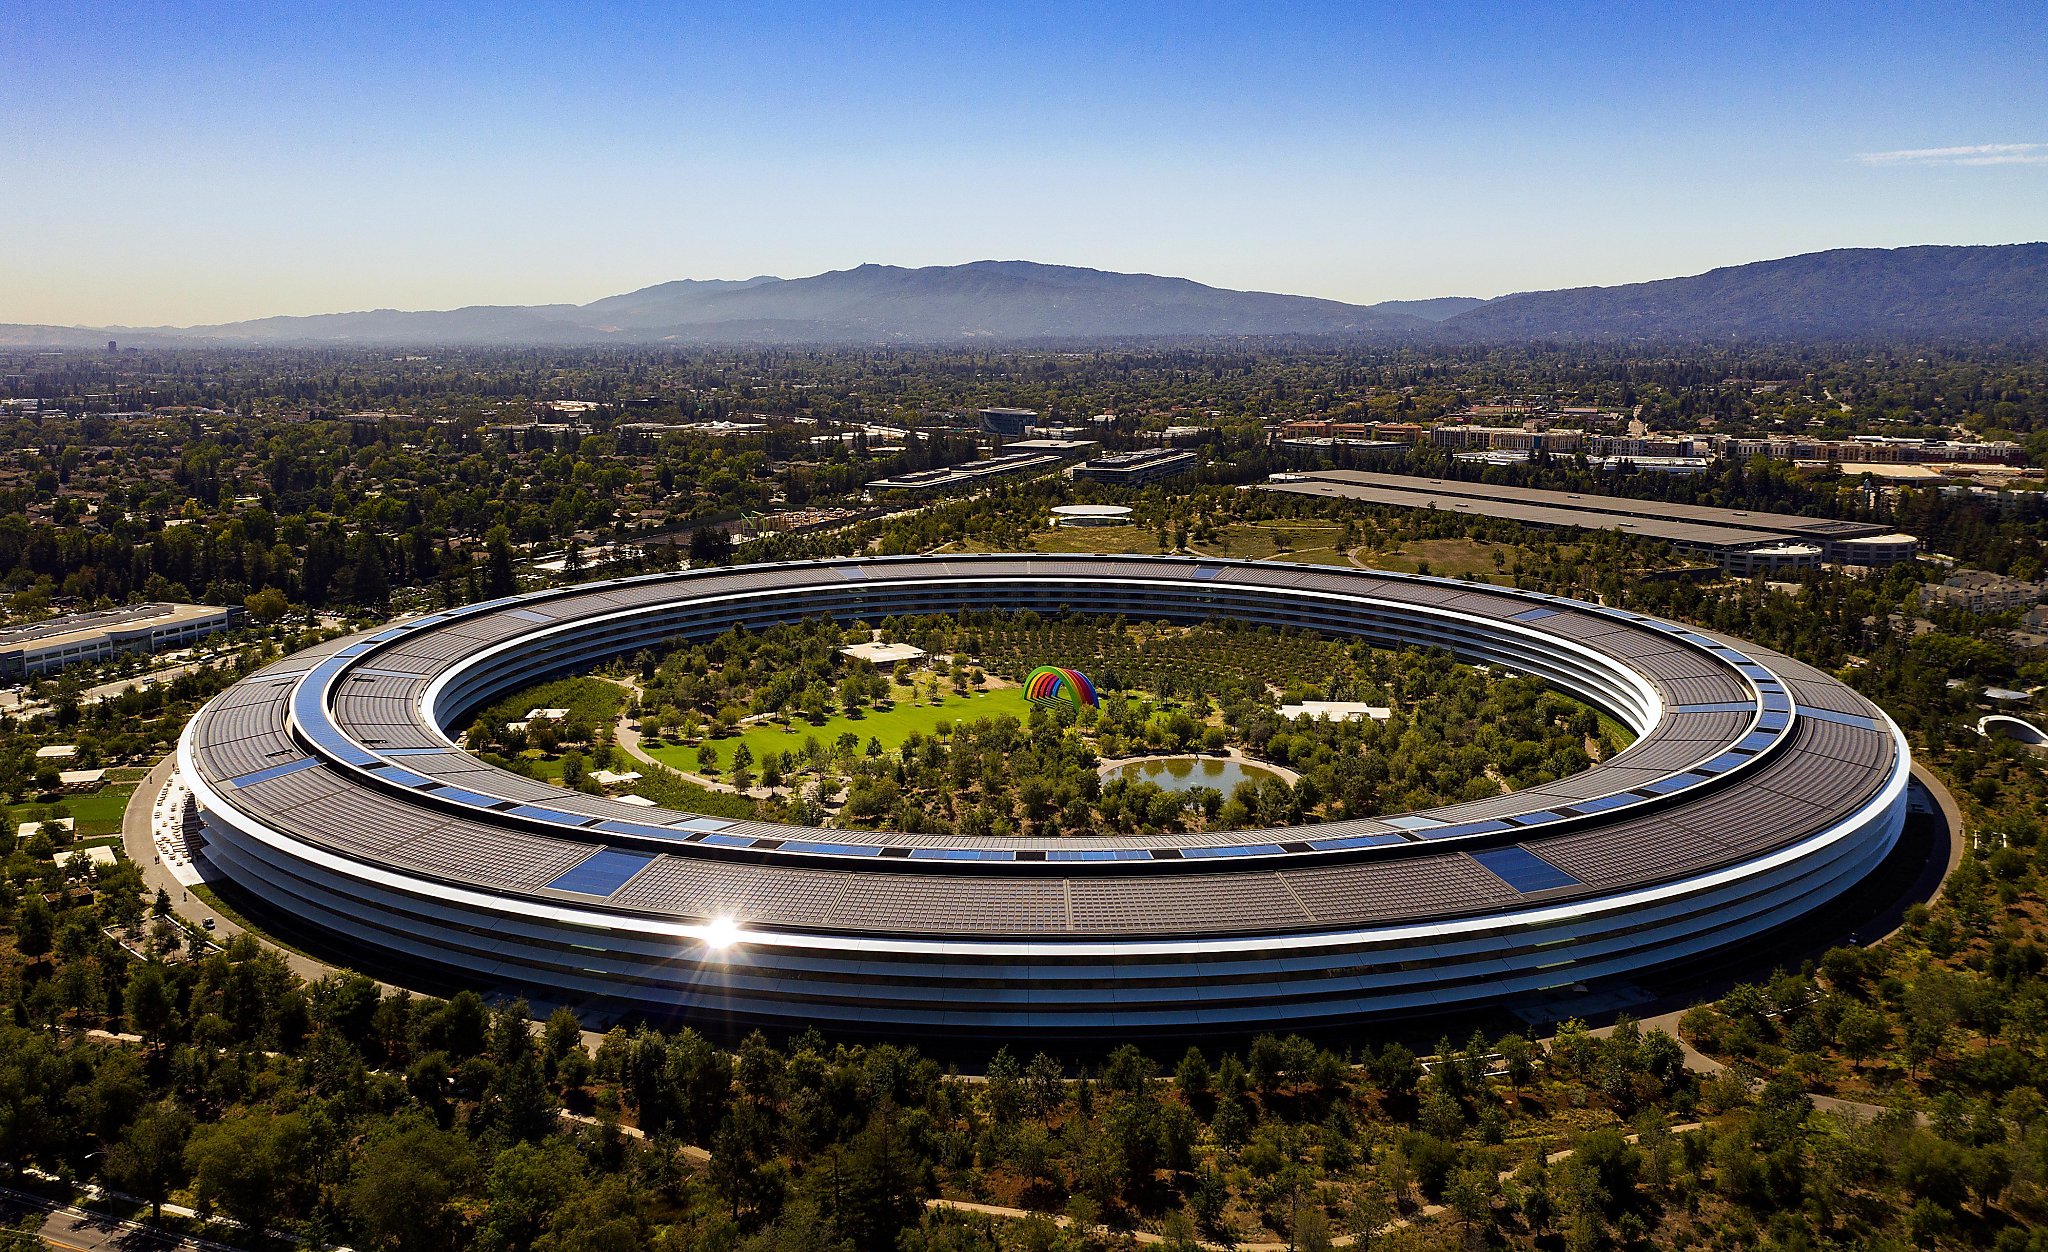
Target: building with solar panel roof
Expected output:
[1758,789]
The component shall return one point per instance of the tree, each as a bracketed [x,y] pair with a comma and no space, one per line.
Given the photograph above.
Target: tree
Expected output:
[1862,1032]
[517,1100]
[34,926]
[1311,1231]
[404,1185]
[1518,1056]
[369,584]
[267,606]
[148,1002]
[498,577]
[874,1187]
[710,546]
[150,1158]
[1128,1070]
[1046,1082]
[251,1165]
[1004,1087]
[1395,1071]
[527,1184]
[1470,1195]
[1193,1076]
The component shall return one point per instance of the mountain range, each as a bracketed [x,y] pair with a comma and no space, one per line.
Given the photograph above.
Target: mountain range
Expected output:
[1923,292]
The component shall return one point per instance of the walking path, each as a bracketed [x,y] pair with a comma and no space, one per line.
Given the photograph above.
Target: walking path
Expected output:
[1340,1241]
[138,841]
[626,734]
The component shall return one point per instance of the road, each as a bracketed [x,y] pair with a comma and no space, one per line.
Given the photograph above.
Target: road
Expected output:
[121,686]
[76,1230]
[139,845]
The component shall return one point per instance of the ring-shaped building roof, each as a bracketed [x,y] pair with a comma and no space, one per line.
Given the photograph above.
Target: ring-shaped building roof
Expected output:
[331,779]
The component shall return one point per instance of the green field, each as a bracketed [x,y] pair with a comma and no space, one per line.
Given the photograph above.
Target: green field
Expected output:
[100,812]
[890,727]
[1309,543]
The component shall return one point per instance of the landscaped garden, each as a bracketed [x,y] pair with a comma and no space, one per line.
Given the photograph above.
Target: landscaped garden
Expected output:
[781,724]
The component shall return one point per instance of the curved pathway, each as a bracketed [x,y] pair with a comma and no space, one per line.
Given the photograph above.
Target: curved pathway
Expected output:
[626,735]
[138,843]
[1340,1241]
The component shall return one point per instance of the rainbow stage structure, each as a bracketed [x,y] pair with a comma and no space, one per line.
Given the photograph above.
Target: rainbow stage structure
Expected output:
[1049,685]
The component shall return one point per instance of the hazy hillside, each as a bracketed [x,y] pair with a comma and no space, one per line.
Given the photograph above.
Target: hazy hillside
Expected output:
[1940,292]
[986,299]
[1848,293]
[1440,309]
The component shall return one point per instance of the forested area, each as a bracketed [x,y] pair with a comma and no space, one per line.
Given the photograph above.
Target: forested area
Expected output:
[336,478]
[392,1120]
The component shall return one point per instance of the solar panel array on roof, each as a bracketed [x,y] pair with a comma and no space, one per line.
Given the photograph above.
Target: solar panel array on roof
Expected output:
[601,873]
[701,891]
[1237,902]
[1523,870]
[272,771]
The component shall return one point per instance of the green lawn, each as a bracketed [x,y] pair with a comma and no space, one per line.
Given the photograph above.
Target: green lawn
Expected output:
[891,728]
[100,812]
[1311,543]
[1096,539]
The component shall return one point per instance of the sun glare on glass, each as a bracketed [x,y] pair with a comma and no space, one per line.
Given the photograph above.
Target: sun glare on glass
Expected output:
[721,933]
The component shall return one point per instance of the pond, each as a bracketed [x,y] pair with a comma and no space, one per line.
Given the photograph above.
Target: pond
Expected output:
[1185,773]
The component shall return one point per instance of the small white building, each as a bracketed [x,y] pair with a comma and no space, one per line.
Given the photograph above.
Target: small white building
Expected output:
[81,779]
[883,655]
[1335,711]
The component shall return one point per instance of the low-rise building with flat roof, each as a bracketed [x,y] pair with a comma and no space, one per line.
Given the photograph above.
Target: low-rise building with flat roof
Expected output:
[42,647]
[1981,591]
[1335,711]
[1134,469]
[1696,528]
[1874,551]
[883,654]
[1068,449]
[966,475]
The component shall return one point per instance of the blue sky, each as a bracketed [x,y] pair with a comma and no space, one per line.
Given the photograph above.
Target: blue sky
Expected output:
[171,163]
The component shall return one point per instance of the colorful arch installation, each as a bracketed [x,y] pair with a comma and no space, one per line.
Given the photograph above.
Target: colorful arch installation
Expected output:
[1049,685]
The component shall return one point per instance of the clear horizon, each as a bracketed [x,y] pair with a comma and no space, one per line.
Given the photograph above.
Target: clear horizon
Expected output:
[189,165]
